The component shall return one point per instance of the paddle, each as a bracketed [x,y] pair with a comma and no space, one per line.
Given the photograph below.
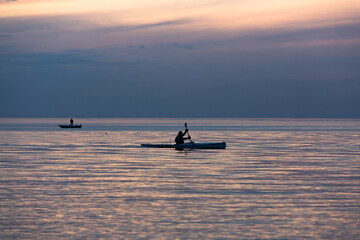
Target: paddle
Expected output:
[188,132]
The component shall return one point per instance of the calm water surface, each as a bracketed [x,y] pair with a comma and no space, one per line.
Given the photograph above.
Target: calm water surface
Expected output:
[277,179]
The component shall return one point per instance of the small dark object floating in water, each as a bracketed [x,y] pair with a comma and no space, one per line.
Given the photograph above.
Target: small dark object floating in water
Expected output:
[70,126]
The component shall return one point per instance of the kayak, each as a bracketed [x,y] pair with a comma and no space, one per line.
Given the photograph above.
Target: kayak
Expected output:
[71,126]
[220,145]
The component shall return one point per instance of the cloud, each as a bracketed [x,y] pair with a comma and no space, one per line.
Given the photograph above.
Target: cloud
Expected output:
[5,1]
[60,33]
[68,57]
[63,32]
[190,45]
[186,46]
[282,83]
[303,37]
[5,35]
[125,28]
[138,70]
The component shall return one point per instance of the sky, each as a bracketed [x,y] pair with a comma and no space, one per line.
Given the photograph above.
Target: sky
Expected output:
[164,58]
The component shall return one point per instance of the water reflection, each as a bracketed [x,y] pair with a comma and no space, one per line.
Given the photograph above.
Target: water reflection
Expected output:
[265,185]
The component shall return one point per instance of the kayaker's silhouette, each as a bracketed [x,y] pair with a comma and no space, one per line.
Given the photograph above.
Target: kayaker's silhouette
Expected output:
[180,145]
[71,121]
[180,137]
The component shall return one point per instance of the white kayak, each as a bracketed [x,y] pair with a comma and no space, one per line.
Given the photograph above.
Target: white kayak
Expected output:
[219,145]
[71,126]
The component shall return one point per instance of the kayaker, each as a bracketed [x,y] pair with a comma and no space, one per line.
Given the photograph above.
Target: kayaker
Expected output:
[71,121]
[180,137]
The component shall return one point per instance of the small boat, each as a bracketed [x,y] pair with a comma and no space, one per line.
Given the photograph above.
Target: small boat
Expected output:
[70,126]
[219,145]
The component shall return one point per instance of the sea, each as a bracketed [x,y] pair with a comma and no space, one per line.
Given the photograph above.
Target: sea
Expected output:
[276,179]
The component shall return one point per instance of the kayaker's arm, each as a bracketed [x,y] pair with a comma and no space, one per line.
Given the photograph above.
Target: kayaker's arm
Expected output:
[186,131]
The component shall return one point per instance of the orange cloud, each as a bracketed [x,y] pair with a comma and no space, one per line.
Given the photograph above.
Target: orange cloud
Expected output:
[228,15]
[103,23]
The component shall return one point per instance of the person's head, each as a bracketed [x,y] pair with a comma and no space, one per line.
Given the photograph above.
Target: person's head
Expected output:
[180,133]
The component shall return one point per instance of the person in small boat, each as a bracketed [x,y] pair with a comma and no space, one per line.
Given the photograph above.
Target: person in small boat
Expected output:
[180,137]
[71,121]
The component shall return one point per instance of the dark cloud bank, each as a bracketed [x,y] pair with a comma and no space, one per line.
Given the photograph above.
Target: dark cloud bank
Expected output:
[215,78]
